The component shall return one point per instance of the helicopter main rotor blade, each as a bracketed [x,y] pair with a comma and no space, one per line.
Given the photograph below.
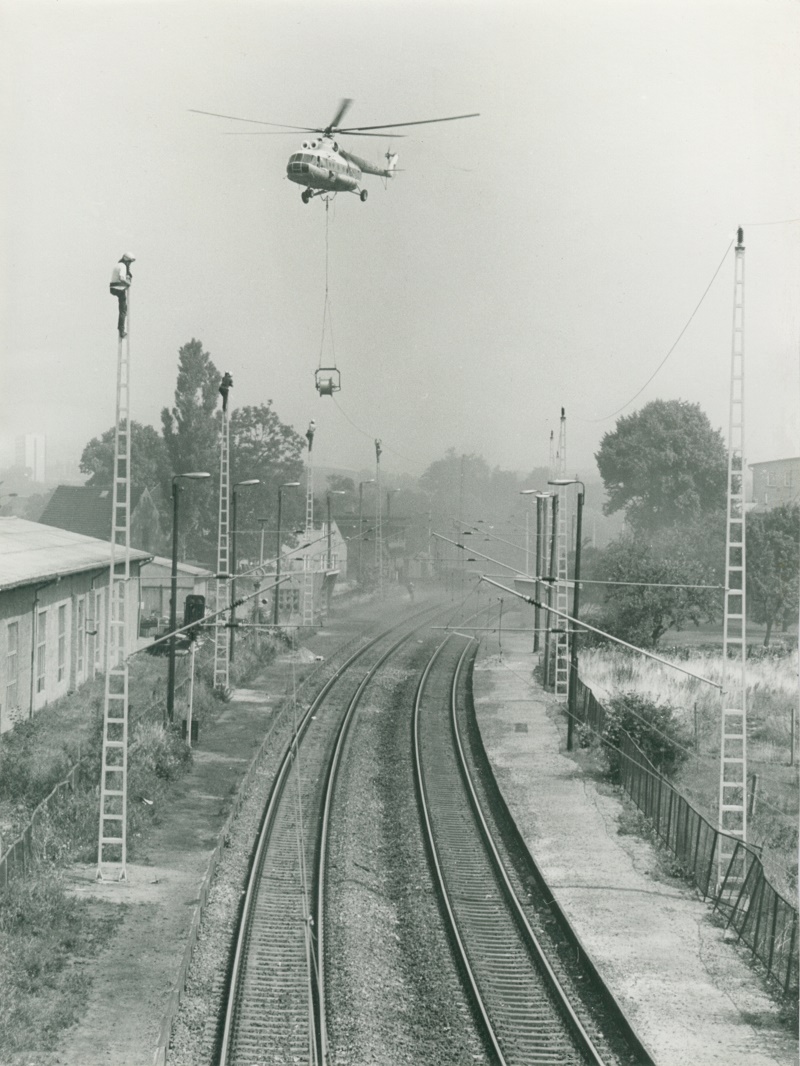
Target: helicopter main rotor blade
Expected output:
[345,104]
[258,122]
[355,133]
[422,122]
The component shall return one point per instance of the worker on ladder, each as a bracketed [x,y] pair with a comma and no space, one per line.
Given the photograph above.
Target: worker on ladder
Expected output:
[225,386]
[121,279]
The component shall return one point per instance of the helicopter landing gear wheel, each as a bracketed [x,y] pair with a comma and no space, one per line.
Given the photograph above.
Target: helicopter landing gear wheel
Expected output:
[305,196]
[363,195]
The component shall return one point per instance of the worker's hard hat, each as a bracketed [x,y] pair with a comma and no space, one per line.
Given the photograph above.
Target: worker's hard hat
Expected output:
[127,259]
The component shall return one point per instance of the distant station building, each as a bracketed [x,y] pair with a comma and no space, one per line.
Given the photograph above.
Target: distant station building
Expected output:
[290,594]
[156,586]
[53,604]
[775,483]
[86,509]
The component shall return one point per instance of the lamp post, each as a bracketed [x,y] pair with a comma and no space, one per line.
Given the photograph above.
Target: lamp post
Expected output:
[573,644]
[286,485]
[238,485]
[173,605]
[361,484]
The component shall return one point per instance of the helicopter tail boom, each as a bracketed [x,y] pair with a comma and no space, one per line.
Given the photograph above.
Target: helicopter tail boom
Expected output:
[372,168]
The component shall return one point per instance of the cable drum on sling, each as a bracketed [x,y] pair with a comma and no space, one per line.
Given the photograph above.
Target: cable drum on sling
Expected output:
[327,378]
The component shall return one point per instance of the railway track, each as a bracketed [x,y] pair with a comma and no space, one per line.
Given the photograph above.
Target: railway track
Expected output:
[523,1000]
[275,1008]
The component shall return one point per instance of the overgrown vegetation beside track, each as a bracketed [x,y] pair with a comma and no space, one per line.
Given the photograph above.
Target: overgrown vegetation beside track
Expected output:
[694,737]
[46,934]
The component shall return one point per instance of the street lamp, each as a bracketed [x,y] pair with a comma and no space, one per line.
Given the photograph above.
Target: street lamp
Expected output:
[573,645]
[286,485]
[361,484]
[238,485]
[173,605]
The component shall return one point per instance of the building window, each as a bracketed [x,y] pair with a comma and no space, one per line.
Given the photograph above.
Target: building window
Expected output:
[12,664]
[81,639]
[787,479]
[41,650]
[62,642]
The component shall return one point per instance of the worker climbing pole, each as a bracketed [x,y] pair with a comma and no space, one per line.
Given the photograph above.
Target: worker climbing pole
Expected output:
[327,378]
[222,585]
[112,835]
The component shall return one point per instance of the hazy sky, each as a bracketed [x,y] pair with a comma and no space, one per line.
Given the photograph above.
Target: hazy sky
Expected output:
[546,254]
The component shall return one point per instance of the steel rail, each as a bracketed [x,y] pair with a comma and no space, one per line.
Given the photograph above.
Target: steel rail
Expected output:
[265,829]
[571,1017]
[572,1029]
[444,895]
[333,771]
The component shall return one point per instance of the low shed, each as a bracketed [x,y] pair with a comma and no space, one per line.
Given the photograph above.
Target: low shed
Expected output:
[53,604]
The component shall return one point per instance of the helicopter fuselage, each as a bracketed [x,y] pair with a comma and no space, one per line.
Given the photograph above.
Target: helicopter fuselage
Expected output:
[321,166]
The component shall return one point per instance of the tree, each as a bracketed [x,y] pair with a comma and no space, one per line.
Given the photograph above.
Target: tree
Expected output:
[149,461]
[191,438]
[264,447]
[773,564]
[641,613]
[663,465]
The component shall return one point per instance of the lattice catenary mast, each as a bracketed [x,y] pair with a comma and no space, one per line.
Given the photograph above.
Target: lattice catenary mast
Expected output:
[112,837]
[733,750]
[562,591]
[308,558]
[222,585]
[378,514]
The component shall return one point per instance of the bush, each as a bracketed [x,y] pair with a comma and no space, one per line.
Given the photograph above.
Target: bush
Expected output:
[653,726]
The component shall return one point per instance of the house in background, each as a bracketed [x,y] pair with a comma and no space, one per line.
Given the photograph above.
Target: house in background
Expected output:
[156,585]
[775,483]
[53,613]
[86,509]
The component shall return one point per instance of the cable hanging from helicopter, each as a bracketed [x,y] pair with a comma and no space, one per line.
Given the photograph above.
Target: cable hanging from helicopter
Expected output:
[328,380]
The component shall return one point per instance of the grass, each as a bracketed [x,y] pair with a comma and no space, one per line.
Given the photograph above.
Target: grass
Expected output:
[771,701]
[47,936]
[44,935]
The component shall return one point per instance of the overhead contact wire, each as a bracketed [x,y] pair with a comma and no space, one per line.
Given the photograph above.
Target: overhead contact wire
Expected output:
[674,346]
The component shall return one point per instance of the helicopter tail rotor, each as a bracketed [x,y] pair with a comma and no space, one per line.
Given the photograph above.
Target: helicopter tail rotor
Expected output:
[391,162]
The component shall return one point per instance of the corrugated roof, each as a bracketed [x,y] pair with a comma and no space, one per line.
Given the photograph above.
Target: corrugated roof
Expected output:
[83,509]
[31,552]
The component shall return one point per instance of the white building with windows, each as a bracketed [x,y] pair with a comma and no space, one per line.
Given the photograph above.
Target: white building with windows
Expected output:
[53,604]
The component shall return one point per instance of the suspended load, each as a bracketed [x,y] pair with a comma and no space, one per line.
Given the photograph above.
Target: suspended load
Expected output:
[328,380]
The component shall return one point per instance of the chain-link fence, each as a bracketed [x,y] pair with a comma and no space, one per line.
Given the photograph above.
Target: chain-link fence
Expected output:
[759,914]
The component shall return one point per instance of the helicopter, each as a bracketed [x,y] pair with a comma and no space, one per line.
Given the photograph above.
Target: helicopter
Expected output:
[324,166]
